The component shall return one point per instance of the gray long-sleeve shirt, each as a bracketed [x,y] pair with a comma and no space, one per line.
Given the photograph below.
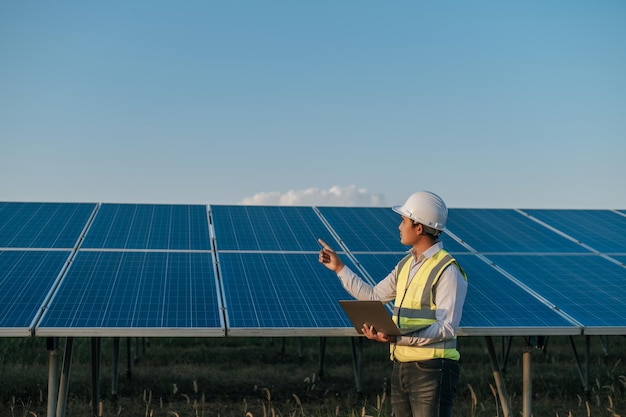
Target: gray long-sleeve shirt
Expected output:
[450,293]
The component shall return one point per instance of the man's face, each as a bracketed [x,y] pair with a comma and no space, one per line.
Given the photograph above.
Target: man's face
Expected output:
[408,232]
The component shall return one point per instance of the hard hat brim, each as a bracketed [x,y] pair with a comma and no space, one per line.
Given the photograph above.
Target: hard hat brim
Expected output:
[398,209]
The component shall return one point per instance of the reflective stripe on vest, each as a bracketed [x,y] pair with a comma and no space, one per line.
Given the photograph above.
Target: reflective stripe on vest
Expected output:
[415,307]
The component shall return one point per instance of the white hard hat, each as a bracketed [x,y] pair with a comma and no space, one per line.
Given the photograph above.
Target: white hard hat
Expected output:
[426,208]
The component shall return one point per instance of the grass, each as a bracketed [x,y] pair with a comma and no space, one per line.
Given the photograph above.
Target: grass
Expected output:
[270,377]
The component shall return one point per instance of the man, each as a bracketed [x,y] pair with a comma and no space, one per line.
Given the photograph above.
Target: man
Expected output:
[429,288]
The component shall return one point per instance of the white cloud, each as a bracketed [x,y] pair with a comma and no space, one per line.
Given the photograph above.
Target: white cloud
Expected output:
[335,196]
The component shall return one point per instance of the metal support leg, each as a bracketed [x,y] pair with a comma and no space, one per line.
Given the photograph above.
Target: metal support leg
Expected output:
[583,371]
[506,350]
[527,394]
[53,375]
[320,372]
[129,372]
[96,351]
[604,342]
[300,351]
[137,342]
[497,376]
[587,361]
[65,377]
[357,360]
[116,367]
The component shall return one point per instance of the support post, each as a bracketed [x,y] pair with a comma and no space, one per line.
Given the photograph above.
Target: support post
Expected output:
[587,362]
[497,376]
[357,360]
[506,350]
[583,371]
[53,374]
[96,345]
[320,371]
[129,372]
[65,377]
[137,348]
[527,395]
[300,351]
[604,342]
[116,368]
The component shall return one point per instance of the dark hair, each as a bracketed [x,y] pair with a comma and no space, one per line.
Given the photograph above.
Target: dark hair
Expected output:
[429,230]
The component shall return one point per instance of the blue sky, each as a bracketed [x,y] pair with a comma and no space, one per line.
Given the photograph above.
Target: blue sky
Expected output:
[487,103]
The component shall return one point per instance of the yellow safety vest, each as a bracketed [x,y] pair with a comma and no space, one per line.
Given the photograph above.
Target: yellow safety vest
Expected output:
[415,307]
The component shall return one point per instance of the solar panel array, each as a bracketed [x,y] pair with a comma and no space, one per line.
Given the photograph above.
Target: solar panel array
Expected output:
[141,270]
[554,255]
[72,269]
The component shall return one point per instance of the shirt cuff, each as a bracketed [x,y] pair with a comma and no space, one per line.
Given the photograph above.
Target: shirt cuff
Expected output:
[345,272]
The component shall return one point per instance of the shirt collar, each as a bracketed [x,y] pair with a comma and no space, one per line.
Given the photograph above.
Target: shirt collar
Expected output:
[428,253]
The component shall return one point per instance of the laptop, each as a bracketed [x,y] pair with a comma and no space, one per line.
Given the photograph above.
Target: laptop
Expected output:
[373,313]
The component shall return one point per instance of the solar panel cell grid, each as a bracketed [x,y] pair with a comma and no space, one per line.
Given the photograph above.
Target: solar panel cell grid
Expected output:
[270,290]
[149,226]
[493,301]
[273,228]
[373,229]
[136,290]
[365,229]
[26,278]
[603,230]
[42,225]
[589,288]
[378,265]
[504,230]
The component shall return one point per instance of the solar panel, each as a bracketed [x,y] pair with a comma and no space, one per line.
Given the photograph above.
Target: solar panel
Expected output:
[365,229]
[284,294]
[373,229]
[506,230]
[603,230]
[268,228]
[378,265]
[495,305]
[149,226]
[588,288]
[42,225]
[26,279]
[145,293]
